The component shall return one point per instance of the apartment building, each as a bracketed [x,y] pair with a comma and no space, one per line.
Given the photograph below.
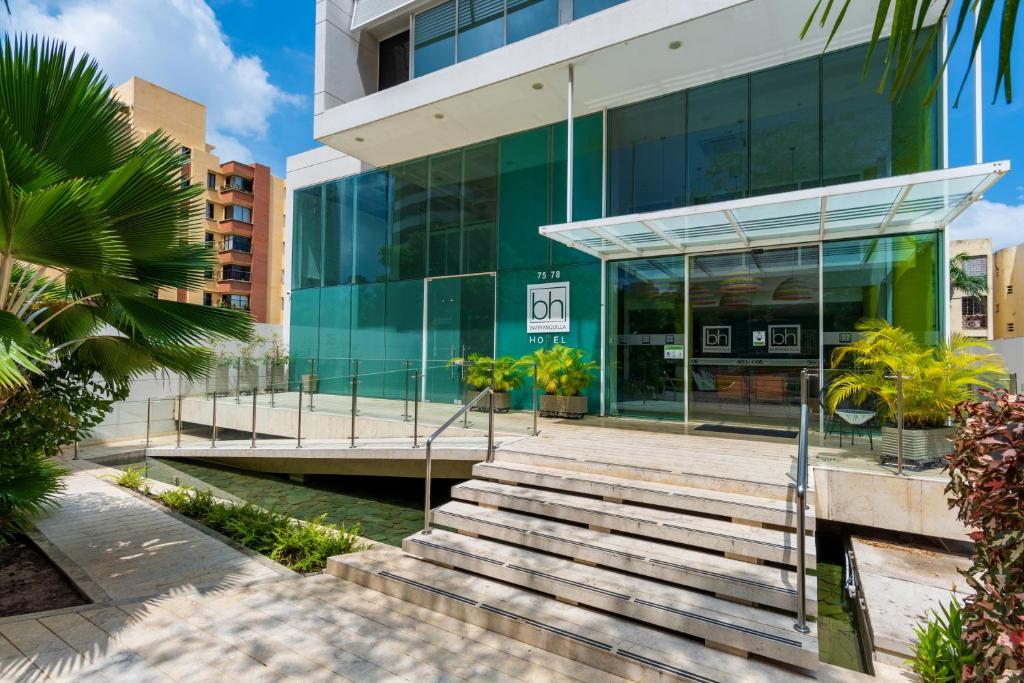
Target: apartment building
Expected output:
[971,315]
[243,204]
[1008,292]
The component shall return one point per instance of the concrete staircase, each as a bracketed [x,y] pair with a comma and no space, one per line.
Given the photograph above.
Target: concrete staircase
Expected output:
[648,575]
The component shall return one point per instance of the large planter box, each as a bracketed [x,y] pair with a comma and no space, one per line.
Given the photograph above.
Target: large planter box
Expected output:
[219,381]
[311,383]
[248,377]
[502,401]
[921,447]
[278,377]
[574,407]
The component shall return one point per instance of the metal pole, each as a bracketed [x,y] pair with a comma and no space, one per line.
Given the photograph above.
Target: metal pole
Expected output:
[426,492]
[238,381]
[899,422]
[213,427]
[462,387]
[535,432]
[252,444]
[298,436]
[490,420]
[178,442]
[405,409]
[801,522]
[310,387]
[75,456]
[352,429]
[416,408]
[149,412]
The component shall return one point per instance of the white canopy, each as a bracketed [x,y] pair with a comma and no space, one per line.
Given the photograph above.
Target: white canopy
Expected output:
[899,204]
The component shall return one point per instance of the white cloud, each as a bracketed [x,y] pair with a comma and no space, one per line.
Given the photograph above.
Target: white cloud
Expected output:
[177,44]
[1002,222]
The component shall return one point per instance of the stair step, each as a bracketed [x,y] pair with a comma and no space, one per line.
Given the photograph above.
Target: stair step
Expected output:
[704,501]
[628,649]
[733,578]
[659,525]
[649,473]
[751,629]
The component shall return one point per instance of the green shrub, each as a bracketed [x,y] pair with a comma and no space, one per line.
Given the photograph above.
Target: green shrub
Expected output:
[248,524]
[562,370]
[509,374]
[27,485]
[131,478]
[940,653]
[306,547]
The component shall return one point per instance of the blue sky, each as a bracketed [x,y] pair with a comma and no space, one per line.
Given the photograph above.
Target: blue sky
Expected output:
[251,63]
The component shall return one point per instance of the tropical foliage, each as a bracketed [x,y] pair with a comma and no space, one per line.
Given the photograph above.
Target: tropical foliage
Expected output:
[562,370]
[962,281]
[509,375]
[936,378]
[940,653]
[911,42]
[986,486]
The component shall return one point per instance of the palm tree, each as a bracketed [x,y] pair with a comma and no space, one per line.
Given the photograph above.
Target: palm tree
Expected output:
[960,280]
[93,224]
[910,41]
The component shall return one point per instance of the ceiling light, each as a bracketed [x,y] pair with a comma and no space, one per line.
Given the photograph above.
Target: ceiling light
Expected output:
[675,45]
[439,116]
[538,86]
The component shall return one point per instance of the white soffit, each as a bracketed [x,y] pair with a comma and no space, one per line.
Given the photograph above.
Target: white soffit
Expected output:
[900,204]
[621,55]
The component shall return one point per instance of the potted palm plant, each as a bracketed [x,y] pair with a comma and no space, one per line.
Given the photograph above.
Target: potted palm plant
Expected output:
[508,376]
[935,380]
[563,373]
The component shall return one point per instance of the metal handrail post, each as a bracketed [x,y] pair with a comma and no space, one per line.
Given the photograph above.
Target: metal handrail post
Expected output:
[427,514]
[462,386]
[177,443]
[899,422]
[213,427]
[405,409]
[298,436]
[801,499]
[310,387]
[490,419]
[416,408]
[352,427]
[238,382]
[252,443]
[149,412]
[535,432]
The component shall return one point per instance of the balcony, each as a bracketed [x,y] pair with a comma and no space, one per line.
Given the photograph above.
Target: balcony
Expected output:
[237,168]
[235,195]
[231,256]
[235,227]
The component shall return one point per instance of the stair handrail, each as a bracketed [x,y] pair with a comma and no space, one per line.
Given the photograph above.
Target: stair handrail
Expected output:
[801,504]
[488,391]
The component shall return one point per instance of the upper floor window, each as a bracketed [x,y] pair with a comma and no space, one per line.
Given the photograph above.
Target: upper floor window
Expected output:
[233,212]
[207,298]
[974,312]
[209,238]
[237,301]
[457,30]
[211,180]
[235,272]
[393,64]
[209,210]
[186,152]
[976,265]
[238,243]
[237,182]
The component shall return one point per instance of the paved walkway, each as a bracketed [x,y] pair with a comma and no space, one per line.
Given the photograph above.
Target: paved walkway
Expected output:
[119,546]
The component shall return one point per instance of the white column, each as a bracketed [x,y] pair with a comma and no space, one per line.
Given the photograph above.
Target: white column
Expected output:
[568,151]
[945,93]
[604,333]
[978,151]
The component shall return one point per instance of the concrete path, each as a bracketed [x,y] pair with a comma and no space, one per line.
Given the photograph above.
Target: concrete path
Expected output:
[118,546]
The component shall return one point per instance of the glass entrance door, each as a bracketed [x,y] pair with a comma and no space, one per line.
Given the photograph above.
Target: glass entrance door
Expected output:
[460,319]
[754,324]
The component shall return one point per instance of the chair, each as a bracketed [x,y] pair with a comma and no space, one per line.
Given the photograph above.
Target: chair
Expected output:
[850,415]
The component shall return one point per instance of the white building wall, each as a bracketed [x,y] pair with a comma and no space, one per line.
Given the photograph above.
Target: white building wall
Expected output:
[346,60]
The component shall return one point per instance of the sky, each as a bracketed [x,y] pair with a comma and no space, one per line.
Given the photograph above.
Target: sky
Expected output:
[251,63]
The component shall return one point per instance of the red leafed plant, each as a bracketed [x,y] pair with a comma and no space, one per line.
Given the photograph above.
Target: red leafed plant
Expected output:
[986,471]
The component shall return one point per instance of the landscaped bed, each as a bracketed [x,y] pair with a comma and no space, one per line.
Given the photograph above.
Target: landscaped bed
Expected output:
[301,546]
[30,582]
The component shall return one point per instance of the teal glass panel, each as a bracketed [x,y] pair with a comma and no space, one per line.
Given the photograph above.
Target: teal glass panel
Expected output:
[529,17]
[404,340]
[371,227]
[582,8]
[339,226]
[481,27]
[445,208]
[523,200]
[647,156]
[460,319]
[369,325]
[646,319]
[434,34]
[717,150]
[586,181]
[334,341]
[304,333]
[857,121]
[479,207]
[308,235]
[784,143]
[898,279]
[407,249]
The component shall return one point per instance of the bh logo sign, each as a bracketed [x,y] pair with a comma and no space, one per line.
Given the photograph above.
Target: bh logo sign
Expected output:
[547,308]
[783,339]
[717,338]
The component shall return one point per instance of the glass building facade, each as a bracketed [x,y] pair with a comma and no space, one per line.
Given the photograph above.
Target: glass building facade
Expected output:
[434,257]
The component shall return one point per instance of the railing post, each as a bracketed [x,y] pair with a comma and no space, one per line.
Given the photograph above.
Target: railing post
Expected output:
[310,392]
[352,427]
[298,436]
[801,512]
[213,427]
[252,444]
[149,412]
[535,432]
[427,521]
[416,408]
[177,443]
[405,409]
[490,419]
[462,387]
[238,381]
[899,421]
